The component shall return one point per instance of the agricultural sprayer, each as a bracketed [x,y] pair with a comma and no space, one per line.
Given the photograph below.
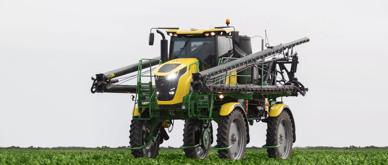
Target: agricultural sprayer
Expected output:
[209,75]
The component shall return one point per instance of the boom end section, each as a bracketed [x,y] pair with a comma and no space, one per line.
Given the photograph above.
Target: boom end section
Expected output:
[99,83]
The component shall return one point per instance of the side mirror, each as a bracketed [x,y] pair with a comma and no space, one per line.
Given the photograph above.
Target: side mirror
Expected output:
[151,39]
[235,36]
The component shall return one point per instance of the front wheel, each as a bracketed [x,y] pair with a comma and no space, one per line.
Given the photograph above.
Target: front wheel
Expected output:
[139,130]
[232,135]
[280,136]
[197,138]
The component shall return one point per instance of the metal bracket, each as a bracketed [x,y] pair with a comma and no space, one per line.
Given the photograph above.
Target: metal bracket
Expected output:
[267,146]
[222,148]
[137,148]
[194,146]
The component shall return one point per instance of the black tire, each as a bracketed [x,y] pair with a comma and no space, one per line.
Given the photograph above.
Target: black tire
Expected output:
[192,134]
[279,142]
[232,142]
[137,134]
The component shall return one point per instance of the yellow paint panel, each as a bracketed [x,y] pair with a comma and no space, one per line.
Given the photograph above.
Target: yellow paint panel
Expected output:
[197,31]
[183,62]
[231,79]
[227,108]
[276,110]
[136,111]
[184,81]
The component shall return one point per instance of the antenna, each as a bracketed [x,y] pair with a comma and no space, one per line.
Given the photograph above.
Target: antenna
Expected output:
[267,45]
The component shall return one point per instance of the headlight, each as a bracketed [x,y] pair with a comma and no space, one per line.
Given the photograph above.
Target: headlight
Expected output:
[172,76]
[221,96]
[172,91]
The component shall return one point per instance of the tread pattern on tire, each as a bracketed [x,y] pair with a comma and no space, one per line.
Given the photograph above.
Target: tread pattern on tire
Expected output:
[189,131]
[191,137]
[223,132]
[136,139]
[272,139]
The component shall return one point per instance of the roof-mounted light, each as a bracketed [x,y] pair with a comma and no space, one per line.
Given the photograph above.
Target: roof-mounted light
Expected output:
[227,22]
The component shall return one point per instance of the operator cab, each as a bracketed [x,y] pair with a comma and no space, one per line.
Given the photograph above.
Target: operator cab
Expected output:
[192,51]
[205,45]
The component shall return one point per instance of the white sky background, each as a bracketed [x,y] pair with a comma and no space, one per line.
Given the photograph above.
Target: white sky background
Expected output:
[50,49]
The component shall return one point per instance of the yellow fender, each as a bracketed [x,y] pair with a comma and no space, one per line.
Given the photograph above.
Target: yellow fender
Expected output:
[136,111]
[277,109]
[227,108]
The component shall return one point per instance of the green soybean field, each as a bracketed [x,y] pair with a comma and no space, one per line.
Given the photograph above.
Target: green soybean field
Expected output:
[117,156]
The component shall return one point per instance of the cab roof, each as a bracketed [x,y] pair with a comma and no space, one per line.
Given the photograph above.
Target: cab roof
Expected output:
[198,31]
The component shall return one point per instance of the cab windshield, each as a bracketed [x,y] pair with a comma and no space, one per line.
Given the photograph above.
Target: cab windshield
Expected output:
[202,48]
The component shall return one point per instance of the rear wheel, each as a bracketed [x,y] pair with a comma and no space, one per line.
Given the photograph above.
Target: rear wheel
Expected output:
[232,135]
[280,136]
[197,138]
[138,132]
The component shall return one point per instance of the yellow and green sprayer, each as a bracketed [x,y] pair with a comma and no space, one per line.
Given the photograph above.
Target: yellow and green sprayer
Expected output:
[205,75]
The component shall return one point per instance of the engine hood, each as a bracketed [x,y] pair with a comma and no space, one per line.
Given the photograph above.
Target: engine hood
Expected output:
[173,80]
[174,66]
